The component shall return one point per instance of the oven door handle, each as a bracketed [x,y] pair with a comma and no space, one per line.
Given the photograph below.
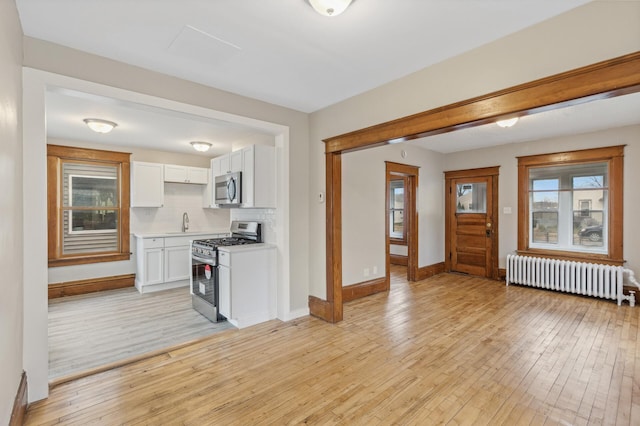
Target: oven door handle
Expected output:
[203,260]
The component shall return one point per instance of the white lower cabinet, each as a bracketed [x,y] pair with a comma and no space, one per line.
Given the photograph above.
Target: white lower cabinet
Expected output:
[153,266]
[175,266]
[246,279]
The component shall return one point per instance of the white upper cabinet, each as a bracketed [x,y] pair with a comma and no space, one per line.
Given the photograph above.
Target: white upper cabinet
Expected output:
[230,163]
[147,184]
[259,177]
[257,164]
[185,174]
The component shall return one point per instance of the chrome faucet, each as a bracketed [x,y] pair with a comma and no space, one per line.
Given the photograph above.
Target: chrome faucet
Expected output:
[185,222]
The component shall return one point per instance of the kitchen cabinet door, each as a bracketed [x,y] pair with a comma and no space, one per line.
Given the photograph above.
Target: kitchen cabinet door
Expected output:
[230,163]
[176,263]
[225,164]
[153,266]
[173,173]
[147,184]
[208,195]
[258,177]
[224,291]
[236,161]
[185,174]
[198,175]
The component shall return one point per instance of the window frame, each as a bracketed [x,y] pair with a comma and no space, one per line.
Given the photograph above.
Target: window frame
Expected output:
[393,239]
[390,210]
[614,157]
[56,156]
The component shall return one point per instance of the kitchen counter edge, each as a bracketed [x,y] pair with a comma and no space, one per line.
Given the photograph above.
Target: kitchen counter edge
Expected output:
[181,234]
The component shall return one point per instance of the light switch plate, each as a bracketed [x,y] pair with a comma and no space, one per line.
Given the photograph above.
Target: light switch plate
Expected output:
[506,210]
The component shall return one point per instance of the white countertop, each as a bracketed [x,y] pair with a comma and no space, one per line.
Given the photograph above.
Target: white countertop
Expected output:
[246,247]
[214,232]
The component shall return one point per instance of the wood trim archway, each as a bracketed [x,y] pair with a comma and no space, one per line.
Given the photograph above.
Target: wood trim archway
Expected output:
[615,77]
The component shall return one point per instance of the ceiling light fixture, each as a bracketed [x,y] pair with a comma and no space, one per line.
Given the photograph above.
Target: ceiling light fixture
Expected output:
[100,126]
[201,146]
[330,7]
[507,123]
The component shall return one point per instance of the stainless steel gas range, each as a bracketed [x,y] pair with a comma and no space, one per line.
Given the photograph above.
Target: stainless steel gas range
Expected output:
[204,266]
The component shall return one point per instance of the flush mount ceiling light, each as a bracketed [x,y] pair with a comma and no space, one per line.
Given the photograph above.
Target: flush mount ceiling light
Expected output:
[100,126]
[507,123]
[201,146]
[330,7]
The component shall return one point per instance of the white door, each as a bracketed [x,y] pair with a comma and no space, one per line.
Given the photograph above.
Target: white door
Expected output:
[176,263]
[154,266]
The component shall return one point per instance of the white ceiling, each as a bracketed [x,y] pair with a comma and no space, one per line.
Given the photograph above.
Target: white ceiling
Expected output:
[284,53]
[143,126]
[583,118]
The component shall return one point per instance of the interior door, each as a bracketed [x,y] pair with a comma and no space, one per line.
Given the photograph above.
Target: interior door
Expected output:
[472,231]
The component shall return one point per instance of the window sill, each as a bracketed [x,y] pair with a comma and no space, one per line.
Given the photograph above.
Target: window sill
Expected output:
[83,260]
[572,256]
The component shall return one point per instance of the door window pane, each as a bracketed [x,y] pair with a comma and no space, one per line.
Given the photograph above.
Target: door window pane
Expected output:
[471,197]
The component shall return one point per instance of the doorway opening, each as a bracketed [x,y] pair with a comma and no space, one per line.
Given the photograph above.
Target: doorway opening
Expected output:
[401,224]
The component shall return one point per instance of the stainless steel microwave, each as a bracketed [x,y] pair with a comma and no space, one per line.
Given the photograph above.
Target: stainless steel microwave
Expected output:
[228,189]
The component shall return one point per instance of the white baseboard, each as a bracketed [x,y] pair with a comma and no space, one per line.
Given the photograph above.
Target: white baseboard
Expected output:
[298,313]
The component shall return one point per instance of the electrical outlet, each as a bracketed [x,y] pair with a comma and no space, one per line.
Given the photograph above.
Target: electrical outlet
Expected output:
[366,272]
[375,270]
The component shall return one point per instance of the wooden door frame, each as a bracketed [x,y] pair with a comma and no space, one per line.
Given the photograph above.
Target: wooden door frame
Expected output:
[410,217]
[492,210]
[614,77]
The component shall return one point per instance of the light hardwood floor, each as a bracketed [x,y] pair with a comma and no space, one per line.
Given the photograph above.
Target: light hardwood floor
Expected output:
[446,350]
[96,329]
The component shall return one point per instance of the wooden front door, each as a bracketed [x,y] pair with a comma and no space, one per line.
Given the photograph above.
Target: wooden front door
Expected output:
[472,222]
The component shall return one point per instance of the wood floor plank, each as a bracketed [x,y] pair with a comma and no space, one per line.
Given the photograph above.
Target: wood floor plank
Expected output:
[450,349]
[95,329]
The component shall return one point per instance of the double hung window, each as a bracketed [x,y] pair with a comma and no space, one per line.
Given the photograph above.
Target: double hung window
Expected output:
[571,204]
[88,197]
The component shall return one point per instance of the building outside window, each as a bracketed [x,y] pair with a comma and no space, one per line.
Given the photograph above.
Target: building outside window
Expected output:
[570,204]
[560,200]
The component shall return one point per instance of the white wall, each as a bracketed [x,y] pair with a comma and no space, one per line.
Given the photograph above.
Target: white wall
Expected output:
[11,302]
[505,157]
[364,210]
[595,32]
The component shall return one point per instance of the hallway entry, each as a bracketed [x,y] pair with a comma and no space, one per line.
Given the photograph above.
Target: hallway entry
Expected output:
[402,218]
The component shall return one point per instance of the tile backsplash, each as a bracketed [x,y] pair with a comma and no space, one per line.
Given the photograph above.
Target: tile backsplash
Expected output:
[265,216]
[179,198]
